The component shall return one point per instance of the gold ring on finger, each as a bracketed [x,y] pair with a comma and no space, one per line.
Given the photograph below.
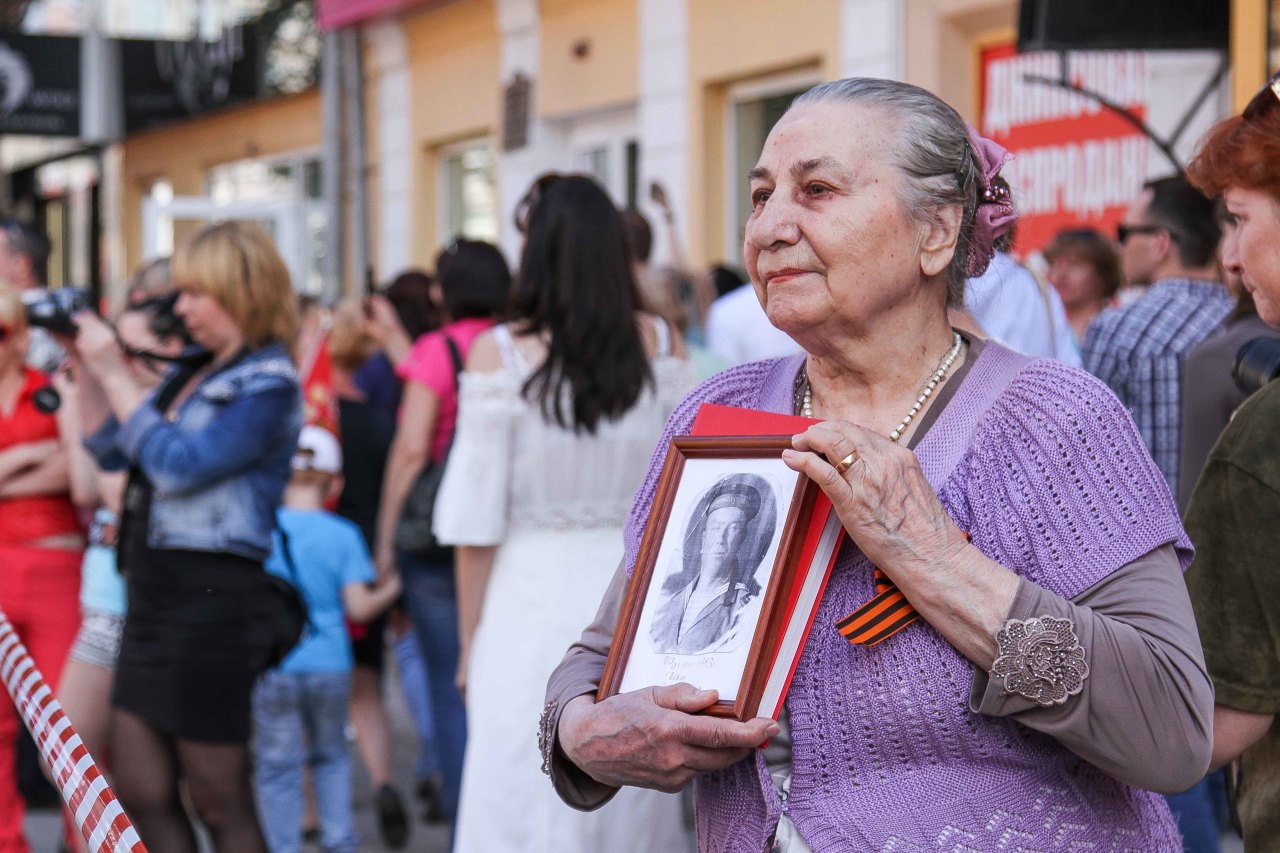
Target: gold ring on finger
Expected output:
[846,463]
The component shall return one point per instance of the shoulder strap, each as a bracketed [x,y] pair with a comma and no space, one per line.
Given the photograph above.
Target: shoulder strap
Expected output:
[950,435]
[292,567]
[178,380]
[455,355]
[511,356]
[457,369]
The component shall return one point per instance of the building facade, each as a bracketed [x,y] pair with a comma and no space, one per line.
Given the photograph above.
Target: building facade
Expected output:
[466,102]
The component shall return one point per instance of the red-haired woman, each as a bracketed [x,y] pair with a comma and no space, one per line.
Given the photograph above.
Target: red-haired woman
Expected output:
[1234,584]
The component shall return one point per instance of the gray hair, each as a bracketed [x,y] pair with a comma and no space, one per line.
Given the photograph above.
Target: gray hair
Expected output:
[932,151]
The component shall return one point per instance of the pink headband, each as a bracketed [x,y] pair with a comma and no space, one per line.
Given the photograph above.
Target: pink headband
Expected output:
[995,214]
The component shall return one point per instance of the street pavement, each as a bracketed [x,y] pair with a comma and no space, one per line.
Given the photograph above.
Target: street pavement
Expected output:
[44,826]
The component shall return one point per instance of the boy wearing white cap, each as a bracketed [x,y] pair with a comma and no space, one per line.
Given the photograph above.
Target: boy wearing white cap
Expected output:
[300,708]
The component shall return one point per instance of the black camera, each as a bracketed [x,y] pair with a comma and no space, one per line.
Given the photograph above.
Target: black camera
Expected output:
[54,309]
[1257,363]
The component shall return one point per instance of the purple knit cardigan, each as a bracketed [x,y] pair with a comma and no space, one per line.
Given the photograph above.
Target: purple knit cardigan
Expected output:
[1044,469]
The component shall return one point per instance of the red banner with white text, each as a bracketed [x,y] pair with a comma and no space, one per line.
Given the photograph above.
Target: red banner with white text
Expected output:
[1075,162]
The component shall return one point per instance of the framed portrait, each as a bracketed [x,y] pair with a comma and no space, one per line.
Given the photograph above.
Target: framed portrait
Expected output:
[709,595]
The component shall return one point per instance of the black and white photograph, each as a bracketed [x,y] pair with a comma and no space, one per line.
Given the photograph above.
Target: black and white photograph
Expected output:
[712,582]
[711,574]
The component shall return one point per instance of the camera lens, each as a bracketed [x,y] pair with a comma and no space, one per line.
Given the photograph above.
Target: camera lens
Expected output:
[1257,363]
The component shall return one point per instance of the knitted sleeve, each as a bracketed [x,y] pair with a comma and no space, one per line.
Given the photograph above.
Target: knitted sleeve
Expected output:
[737,386]
[1059,486]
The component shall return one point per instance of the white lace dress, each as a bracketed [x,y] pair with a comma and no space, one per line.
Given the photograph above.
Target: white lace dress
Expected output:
[554,503]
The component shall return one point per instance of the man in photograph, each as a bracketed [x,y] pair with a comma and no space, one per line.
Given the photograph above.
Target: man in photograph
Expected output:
[702,603]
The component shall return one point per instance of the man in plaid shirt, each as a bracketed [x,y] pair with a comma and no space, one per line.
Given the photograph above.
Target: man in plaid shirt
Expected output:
[1169,240]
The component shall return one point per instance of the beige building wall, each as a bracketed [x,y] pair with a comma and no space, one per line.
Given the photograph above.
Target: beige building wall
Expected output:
[184,153]
[734,42]
[588,56]
[943,42]
[456,95]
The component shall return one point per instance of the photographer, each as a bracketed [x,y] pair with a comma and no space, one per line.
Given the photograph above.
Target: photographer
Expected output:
[40,538]
[208,456]
[1232,517]
[151,334]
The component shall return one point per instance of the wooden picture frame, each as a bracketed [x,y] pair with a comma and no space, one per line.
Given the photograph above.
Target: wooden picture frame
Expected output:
[724,635]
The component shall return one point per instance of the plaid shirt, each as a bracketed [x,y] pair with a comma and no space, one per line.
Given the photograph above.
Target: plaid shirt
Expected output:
[1138,351]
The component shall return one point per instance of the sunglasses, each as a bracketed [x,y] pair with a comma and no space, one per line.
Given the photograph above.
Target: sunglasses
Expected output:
[1124,232]
[1267,99]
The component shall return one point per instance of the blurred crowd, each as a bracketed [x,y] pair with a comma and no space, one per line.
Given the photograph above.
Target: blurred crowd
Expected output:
[436,478]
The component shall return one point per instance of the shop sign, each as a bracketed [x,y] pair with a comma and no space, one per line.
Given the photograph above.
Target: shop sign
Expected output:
[516,97]
[1075,163]
[39,85]
[165,81]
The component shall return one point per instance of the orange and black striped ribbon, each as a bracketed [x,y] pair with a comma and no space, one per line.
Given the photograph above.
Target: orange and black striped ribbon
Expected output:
[881,617]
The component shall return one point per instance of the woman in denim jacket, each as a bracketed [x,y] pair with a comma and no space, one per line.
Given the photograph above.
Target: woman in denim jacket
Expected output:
[207,473]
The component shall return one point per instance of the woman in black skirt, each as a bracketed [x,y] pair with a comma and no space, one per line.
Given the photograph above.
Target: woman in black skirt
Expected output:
[208,456]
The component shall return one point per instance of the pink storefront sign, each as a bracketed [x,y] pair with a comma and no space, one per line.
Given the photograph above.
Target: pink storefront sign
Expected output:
[341,13]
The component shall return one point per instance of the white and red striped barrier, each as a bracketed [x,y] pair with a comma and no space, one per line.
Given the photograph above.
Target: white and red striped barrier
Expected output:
[83,787]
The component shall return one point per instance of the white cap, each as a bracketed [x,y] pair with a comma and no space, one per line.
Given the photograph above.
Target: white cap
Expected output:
[318,450]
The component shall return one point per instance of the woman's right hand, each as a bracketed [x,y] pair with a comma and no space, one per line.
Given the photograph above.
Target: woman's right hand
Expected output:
[653,738]
[96,346]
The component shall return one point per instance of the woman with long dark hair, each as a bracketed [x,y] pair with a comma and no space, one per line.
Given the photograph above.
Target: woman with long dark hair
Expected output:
[557,414]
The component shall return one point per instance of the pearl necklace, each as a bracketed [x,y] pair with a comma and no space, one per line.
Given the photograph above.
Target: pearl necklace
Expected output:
[926,391]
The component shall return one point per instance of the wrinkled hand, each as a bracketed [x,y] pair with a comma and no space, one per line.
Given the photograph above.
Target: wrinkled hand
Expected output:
[884,501]
[653,738]
[96,345]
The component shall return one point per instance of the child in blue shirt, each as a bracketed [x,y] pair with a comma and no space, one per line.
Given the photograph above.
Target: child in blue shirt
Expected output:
[300,708]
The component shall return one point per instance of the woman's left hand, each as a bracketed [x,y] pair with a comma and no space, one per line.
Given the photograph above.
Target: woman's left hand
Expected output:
[883,499]
[893,514]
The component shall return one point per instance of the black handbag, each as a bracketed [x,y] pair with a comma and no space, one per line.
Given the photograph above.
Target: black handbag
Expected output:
[413,529]
[289,618]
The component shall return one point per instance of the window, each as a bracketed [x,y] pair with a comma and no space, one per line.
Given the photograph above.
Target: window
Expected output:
[1273,38]
[751,116]
[293,180]
[469,194]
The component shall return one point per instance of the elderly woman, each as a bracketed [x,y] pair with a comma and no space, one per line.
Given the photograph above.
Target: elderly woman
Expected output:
[1233,511]
[1054,671]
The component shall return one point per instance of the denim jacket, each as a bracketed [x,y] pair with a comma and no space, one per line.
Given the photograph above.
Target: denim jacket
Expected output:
[219,468]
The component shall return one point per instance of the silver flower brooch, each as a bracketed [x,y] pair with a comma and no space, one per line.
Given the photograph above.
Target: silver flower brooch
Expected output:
[1040,659]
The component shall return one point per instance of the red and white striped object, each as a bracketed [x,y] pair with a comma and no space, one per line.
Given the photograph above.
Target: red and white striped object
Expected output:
[83,787]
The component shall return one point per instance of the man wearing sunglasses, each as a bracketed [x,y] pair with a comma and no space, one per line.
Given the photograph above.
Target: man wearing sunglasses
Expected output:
[1169,241]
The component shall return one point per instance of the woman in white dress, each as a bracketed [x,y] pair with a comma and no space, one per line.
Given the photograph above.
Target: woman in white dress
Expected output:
[558,413]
